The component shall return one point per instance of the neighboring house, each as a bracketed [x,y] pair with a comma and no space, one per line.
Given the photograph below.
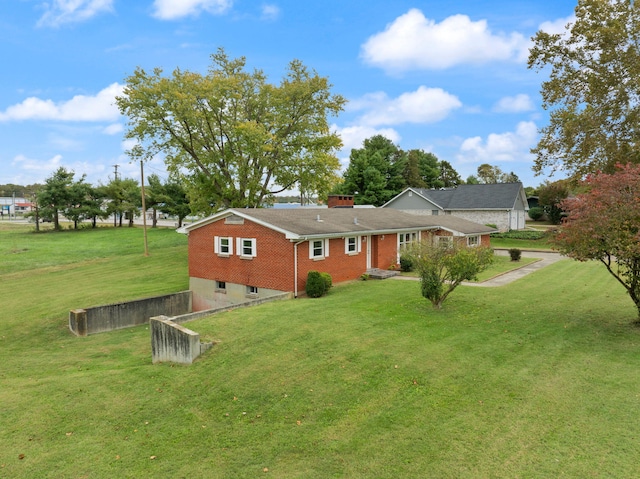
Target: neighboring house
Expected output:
[255,253]
[501,204]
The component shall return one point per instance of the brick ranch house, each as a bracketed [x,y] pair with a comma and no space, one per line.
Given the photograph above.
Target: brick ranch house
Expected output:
[241,254]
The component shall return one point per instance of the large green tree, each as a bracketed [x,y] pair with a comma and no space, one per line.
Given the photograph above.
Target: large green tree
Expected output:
[603,224]
[235,138]
[374,174]
[56,195]
[593,90]
[550,197]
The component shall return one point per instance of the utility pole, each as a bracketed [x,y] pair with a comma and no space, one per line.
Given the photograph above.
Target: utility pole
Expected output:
[115,179]
[144,210]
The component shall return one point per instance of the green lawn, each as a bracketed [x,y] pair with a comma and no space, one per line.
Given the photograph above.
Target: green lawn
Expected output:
[535,379]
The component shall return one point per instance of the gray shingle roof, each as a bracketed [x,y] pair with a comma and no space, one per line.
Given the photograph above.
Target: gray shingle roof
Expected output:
[303,222]
[475,197]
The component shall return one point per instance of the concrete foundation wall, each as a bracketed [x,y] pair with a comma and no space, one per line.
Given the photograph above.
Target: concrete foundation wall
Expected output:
[171,342]
[83,322]
[206,295]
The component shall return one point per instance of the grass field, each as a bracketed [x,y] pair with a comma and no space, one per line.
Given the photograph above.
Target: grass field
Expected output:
[535,379]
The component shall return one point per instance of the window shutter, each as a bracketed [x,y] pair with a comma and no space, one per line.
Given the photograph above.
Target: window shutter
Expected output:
[216,244]
[230,245]
[310,249]
[254,250]
[359,241]
[326,248]
[239,246]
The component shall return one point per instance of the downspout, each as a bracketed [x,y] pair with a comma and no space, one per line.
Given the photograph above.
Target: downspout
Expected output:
[295,268]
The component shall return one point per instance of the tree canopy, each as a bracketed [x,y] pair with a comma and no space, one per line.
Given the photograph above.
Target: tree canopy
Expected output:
[593,92]
[233,137]
[380,170]
[489,174]
[603,224]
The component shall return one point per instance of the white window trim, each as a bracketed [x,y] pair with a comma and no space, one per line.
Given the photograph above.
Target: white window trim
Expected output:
[358,245]
[476,243]
[240,249]
[325,249]
[414,236]
[217,243]
[441,239]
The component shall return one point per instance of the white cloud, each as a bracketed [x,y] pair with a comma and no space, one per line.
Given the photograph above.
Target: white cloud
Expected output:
[31,165]
[557,26]
[270,12]
[354,136]
[100,107]
[113,129]
[425,105]
[510,146]
[172,9]
[60,12]
[514,104]
[414,42]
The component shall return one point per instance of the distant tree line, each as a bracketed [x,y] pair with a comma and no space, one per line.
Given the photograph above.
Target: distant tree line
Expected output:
[380,170]
[78,201]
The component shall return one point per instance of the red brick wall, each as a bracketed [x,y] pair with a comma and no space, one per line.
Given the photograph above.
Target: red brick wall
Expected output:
[272,267]
[341,266]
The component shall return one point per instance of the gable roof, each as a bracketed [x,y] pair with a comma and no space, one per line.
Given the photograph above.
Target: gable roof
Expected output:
[496,196]
[303,223]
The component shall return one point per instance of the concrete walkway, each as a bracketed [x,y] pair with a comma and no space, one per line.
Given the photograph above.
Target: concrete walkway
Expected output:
[545,258]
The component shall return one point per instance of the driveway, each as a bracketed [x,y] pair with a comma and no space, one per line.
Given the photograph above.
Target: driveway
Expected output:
[545,258]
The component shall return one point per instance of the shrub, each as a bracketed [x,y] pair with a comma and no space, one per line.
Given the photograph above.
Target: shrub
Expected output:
[536,213]
[316,286]
[328,281]
[520,235]
[406,263]
[515,254]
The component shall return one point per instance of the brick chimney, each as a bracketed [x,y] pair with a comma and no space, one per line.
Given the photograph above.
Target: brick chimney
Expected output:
[340,201]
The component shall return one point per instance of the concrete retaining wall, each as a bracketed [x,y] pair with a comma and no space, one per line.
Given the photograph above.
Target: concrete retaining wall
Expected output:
[83,322]
[174,343]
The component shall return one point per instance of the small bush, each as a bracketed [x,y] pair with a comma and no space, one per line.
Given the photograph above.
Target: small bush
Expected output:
[316,286]
[491,225]
[328,281]
[515,254]
[406,263]
[536,213]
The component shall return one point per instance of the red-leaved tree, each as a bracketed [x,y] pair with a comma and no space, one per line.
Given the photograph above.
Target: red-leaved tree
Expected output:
[603,224]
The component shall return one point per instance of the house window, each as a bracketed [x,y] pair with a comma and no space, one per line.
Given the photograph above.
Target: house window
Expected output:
[405,239]
[252,290]
[221,286]
[352,245]
[222,245]
[319,249]
[473,240]
[435,212]
[444,241]
[246,247]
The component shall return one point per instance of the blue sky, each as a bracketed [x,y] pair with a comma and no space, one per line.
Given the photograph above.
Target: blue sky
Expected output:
[449,77]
